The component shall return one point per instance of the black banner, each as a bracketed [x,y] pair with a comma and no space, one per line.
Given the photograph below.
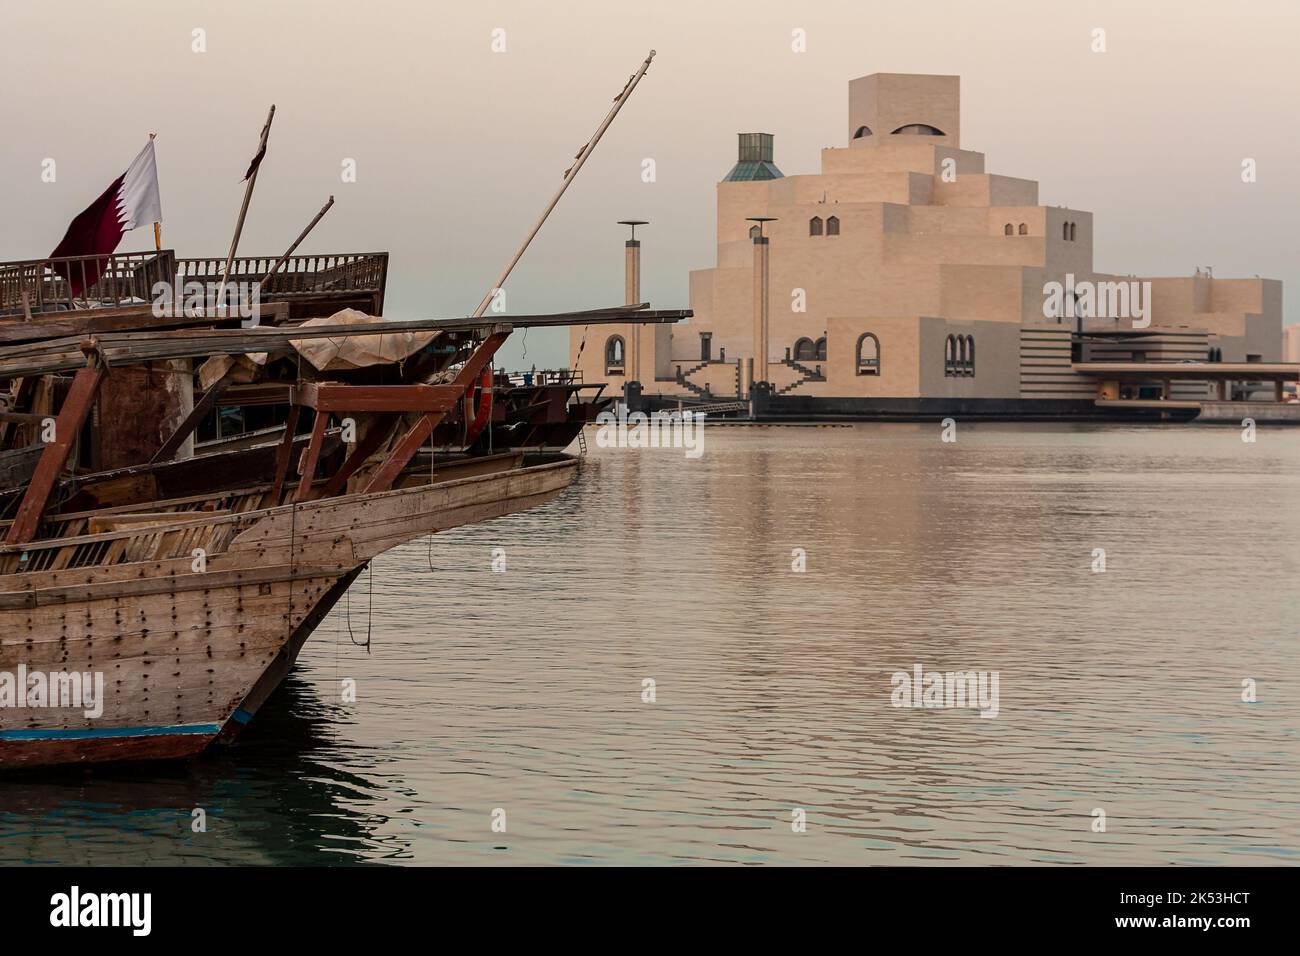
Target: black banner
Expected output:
[212,904]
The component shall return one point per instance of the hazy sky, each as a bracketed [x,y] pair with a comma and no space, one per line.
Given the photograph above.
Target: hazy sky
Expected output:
[458,148]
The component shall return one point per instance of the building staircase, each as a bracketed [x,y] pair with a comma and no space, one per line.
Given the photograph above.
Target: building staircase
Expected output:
[806,374]
[684,377]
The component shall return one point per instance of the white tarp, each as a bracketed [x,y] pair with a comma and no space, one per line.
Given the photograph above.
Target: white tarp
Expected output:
[358,351]
[330,354]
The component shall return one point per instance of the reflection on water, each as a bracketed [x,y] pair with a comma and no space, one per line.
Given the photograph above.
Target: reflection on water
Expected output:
[523,690]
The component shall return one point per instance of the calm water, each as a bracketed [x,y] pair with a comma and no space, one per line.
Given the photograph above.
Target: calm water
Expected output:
[523,690]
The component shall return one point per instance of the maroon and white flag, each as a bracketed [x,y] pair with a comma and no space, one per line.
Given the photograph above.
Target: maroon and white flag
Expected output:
[131,200]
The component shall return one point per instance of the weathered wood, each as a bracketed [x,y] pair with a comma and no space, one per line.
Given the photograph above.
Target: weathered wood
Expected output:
[367,444]
[255,394]
[297,242]
[66,428]
[200,411]
[22,398]
[18,464]
[62,354]
[284,454]
[138,407]
[402,453]
[254,169]
[416,435]
[135,519]
[188,654]
[129,318]
[312,456]
[335,397]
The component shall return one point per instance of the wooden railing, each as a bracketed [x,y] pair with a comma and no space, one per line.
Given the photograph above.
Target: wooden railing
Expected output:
[128,278]
[127,534]
[123,278]
[300,275]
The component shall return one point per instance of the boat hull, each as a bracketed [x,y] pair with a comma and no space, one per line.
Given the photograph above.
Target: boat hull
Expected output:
[188,655]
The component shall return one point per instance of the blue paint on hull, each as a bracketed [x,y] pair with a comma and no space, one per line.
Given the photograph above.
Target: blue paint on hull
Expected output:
[100,733]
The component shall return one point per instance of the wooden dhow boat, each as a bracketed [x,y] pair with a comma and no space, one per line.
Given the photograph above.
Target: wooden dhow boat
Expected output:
[187,610]
[160,571]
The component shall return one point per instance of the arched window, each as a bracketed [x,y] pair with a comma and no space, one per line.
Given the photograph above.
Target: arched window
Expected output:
[614,355]
[754,232]
[961,355]
[1065,231]
[833,226]
[815,226]
[1073,226]
[804,350]
[950,355]
[821,349]
[868,352]
[920,129]
[1008,230]
[1024,230]
[969,351]
[862,131]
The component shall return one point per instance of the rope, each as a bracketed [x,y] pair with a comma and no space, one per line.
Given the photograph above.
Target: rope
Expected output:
[370,613]
[581,345]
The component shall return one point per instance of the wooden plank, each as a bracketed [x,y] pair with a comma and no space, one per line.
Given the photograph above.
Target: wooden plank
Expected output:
[335,397]
[402,453]
[192,420]
[98,523]
[127,347]
[255,394]
[417,434]
[18,464]
[313,456]
[366,446]
[284,453]
[23,393]
[81,396]
[130,318]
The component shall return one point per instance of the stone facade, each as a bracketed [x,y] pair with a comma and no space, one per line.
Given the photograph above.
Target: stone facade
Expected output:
[904,270]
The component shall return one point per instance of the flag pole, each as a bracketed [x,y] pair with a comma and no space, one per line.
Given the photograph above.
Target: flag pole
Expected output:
[243,209]
[157,226]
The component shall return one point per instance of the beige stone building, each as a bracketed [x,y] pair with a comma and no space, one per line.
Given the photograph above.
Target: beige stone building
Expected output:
[906,280]
[1291,343]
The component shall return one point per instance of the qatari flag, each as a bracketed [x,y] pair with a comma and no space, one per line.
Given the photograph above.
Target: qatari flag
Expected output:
[132,200]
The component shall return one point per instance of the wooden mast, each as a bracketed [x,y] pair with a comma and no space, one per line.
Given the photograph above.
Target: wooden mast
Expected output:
[569,175]
[243,209]
[297,242]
